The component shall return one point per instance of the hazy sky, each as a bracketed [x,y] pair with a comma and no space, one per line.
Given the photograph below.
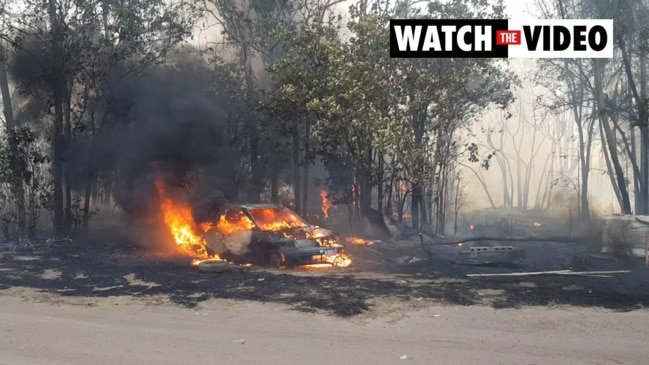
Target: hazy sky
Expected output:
[602,196]
[520,8]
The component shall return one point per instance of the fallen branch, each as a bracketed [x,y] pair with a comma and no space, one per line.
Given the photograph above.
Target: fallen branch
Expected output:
[375,251]
[556,272]
[507,239]
[501,239]
[641,221]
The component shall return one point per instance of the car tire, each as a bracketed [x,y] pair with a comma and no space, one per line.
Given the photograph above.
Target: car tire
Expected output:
[275,261]
[213,266]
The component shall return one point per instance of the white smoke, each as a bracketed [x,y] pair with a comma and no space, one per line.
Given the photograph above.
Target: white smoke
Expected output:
[237,243]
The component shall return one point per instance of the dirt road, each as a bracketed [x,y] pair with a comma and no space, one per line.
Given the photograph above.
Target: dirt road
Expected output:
[115,331]
[106,302]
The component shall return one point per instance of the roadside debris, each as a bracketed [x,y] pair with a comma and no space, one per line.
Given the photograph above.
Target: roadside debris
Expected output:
[241,341]
[407,260]
[58,240]
[490,255]
[404,357]
[556,272]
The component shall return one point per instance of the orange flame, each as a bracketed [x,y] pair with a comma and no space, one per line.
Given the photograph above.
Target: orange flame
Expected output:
[326,204]
[537,224]
[271,219]
[189,236]
[178,217]
[237,223]
[359,241]
[342,260]
[314,267]
[403,187]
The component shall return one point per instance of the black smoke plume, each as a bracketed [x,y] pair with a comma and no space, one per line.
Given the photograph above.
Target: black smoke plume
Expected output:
[171,127]
[166,123]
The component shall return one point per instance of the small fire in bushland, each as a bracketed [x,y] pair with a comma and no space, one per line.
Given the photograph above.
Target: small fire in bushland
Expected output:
[359,241]
[354,194]
[537,224]
[326,204]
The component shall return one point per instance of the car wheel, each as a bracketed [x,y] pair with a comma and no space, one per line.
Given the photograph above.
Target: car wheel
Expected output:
[213,266]
[275,261]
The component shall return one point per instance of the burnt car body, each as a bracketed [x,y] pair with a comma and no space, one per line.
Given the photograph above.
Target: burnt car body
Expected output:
[277,236]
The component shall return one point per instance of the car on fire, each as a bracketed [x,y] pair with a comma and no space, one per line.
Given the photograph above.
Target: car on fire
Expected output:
[272,234]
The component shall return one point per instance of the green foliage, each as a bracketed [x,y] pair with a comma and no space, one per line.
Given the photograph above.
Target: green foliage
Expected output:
[324,81]
[22,148]
[68,56]
[364,104]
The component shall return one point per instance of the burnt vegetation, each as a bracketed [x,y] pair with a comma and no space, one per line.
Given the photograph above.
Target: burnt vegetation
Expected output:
[84,277]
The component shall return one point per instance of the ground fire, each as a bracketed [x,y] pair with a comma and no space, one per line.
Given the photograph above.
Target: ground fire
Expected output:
[359,241]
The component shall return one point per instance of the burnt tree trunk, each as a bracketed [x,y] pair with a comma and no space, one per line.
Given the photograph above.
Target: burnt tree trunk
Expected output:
[379,184]
[90,173]
[402,204]
[274,168]
[609,165]
[87,196]
[296,166]
[642,191]
[365,186]
[256,173]
[57,127]
[69,215]
[456,206]
[419,124]
[305,188]
[17,188]
[388,200]
[417,195]
[636,181]
[585,140]
[643,116]
[610,140]
[274,185]
[255,169]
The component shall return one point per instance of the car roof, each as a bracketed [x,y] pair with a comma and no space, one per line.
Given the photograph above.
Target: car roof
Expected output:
[258,206]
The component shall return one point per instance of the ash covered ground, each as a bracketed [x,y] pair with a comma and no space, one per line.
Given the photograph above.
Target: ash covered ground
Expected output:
[110,264]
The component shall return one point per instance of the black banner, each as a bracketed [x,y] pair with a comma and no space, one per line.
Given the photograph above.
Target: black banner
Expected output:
[428,38]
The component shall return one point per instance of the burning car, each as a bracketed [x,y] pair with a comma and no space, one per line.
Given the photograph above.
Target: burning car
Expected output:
[271,234]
